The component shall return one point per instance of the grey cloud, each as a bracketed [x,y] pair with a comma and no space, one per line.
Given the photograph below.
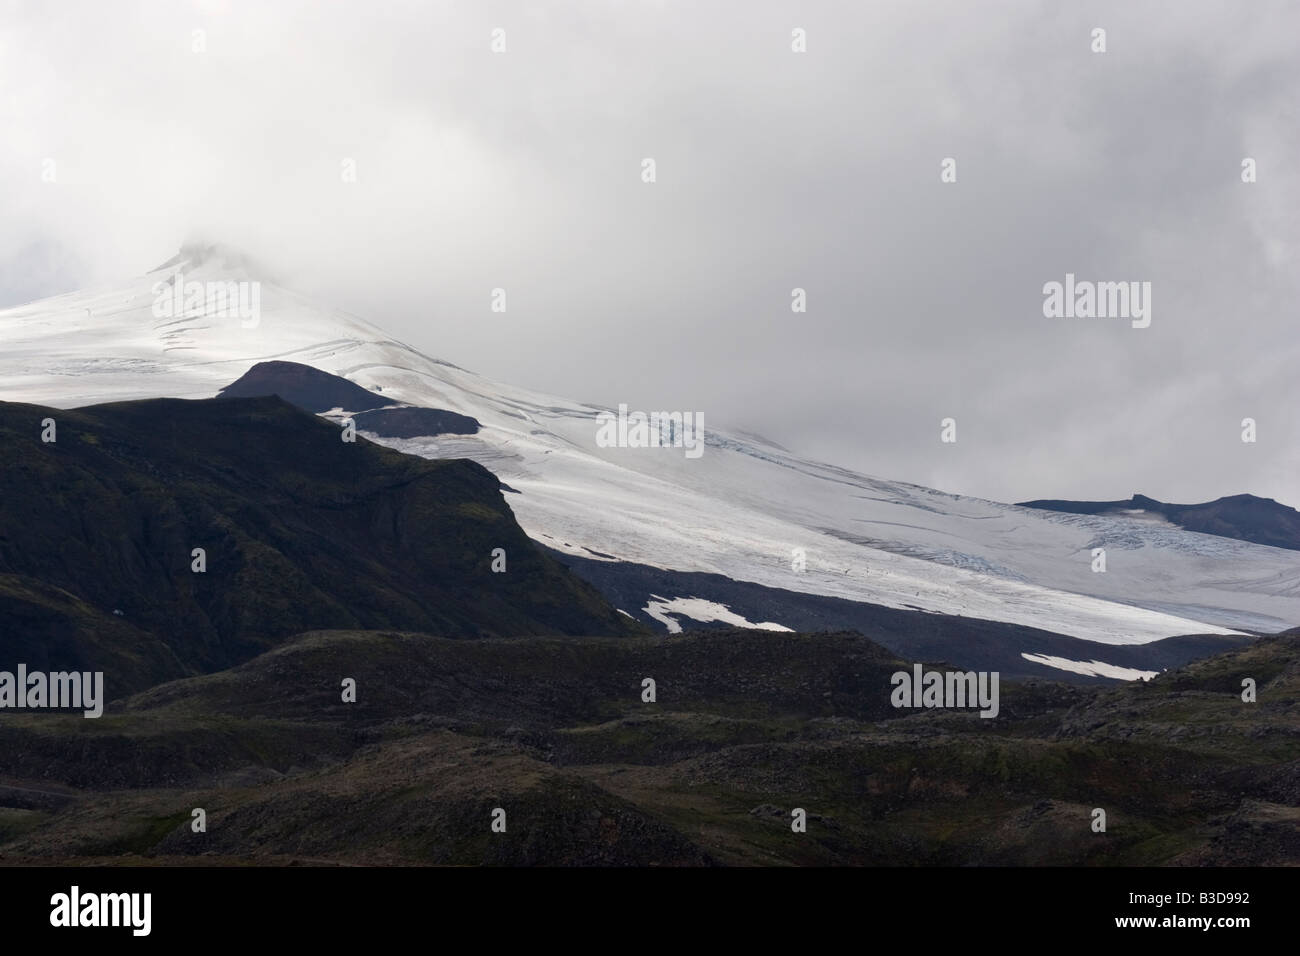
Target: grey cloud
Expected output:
[775,170]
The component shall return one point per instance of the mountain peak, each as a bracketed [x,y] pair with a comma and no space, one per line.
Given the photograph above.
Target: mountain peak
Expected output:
[201,251]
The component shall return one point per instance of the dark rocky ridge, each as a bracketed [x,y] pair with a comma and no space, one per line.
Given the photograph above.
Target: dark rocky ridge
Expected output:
[308,388]
[412,422]
[1244,517]
[315,391]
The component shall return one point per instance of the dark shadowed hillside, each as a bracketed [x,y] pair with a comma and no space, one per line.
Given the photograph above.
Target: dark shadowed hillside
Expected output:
[300,529]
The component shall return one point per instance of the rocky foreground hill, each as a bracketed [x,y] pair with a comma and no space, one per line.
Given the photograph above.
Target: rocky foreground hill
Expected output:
[745,728]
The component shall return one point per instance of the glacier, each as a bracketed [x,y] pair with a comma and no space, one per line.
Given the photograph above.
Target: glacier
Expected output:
[740,509]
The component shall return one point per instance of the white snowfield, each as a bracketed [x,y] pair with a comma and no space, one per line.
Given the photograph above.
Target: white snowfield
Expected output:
[740,509]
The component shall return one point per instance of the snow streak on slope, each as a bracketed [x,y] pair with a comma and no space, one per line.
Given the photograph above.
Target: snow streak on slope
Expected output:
[698,609]
[1091,668]
[738,510]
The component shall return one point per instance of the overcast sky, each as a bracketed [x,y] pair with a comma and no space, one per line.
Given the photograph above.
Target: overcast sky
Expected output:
[774,170]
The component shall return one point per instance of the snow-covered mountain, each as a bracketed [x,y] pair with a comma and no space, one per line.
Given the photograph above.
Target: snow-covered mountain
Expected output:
[740,509]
